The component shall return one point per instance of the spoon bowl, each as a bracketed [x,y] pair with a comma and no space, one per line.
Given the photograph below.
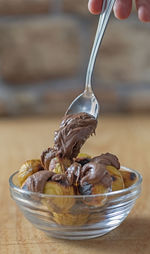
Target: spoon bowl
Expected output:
[85,102]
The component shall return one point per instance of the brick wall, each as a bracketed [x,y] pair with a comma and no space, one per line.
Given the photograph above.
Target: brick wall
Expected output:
[44,51]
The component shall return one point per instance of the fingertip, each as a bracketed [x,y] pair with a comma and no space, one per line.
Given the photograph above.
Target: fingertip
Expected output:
[92,10]
[143,14]
[95,6]
[122,9]
[121,13]
[121,17]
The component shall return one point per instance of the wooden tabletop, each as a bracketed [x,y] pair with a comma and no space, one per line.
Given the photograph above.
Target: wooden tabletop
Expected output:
[22,139]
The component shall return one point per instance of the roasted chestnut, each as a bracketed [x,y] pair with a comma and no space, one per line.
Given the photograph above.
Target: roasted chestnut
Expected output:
[93,189]
[83,158]
[117,179]
[129,178]
[68,219]
[28,168]
[58,185]
[83,155]
[59,165]
[52,162]
[95,179]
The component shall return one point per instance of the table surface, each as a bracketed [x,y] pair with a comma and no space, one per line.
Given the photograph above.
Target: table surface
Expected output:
[126,136]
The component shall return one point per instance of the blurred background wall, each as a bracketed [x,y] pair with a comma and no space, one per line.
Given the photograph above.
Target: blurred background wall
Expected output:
[44,51]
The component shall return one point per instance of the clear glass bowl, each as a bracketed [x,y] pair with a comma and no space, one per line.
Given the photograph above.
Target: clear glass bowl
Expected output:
[76,217]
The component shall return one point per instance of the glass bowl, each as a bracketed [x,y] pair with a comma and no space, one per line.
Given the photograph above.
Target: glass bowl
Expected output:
[76,217]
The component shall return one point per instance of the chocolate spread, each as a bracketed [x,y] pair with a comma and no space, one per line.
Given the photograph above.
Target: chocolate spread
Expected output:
[72,134]
[95,173]
[74,130]
[37,181]
[60,178]
[107,159]
[47,156]
[73,173]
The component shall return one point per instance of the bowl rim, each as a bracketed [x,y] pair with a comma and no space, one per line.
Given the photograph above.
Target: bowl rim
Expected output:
[111,193]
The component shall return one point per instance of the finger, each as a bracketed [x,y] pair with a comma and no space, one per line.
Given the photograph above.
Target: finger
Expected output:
[122,8]
[143,7]
[95,6]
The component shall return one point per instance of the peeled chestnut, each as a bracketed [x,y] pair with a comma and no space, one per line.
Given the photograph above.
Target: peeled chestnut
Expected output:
[83,158]
[68,219]
[129,178]
[93,189]
[94,179]
[117,179]
[59,165]
[60,188]
[52,162]
[83,155]
[28,168]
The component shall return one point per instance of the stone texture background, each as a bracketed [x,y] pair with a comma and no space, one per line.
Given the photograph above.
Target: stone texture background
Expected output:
[44,51]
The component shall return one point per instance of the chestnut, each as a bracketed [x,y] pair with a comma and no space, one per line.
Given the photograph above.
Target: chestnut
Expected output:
[129,178]
[117,179]
[58,185]
[68,219]
[27,169]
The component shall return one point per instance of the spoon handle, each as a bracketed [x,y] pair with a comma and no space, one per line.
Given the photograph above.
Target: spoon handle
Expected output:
[103,21]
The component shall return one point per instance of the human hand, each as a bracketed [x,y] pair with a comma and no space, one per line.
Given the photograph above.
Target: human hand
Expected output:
[122,8]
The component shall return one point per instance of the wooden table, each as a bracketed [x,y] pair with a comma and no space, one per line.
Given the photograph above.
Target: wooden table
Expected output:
[22,139]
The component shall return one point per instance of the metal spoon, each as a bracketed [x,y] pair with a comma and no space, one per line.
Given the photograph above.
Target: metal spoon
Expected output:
[87,102]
